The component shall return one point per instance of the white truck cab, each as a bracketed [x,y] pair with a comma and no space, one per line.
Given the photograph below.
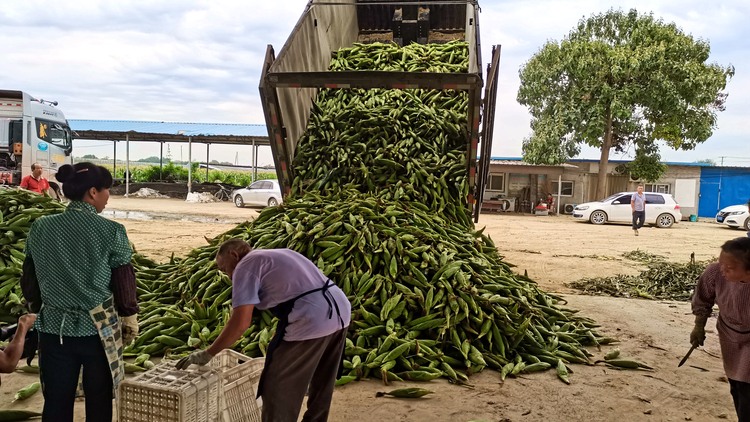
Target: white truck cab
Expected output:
[31,131]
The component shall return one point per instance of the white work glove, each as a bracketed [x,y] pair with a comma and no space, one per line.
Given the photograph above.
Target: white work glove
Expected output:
[199,357]
[129,329]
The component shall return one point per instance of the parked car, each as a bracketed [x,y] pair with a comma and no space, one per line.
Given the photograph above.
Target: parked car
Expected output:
[735,216]
[661,210]
[261,193]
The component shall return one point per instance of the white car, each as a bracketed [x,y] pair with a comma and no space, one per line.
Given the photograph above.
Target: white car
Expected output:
[661,210]
[735,216]
[261,193]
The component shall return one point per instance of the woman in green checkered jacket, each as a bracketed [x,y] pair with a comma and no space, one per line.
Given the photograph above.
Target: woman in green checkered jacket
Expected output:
[78,278]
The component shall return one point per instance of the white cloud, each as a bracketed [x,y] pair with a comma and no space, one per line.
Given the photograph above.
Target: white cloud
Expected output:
[200,60]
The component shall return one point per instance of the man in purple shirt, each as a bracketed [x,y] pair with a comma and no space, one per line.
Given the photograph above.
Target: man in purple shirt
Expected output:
[306,352]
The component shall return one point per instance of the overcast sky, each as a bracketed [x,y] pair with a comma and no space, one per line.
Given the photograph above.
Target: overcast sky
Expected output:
[200,61]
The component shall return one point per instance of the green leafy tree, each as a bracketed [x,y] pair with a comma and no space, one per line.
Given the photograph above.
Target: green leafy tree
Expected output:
[621,81]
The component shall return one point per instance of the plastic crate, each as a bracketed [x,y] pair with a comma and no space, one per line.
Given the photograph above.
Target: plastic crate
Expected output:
[165,394]
[240,375]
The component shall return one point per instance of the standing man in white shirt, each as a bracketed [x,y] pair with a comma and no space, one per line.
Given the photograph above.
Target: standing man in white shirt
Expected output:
[638,205]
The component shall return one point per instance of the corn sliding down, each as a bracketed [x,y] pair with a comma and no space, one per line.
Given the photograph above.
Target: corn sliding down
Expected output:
[379,203]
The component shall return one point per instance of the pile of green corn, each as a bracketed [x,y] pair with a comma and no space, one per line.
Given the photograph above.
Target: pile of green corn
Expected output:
[379,203]
[18,209]
[397,145]
[429,298]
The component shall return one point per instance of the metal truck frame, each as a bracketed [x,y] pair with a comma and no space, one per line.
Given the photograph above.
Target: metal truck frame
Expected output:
[290,82]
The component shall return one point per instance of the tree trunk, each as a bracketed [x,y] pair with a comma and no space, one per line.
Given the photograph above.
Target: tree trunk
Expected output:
[601,186]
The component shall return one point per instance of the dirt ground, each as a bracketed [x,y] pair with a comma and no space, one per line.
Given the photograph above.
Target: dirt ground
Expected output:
[554,250]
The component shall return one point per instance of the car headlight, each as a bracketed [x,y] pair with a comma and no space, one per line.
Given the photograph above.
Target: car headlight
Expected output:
[582,208]
[736,212]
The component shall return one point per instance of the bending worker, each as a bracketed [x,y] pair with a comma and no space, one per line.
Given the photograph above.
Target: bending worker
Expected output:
[10,356]
[307,350]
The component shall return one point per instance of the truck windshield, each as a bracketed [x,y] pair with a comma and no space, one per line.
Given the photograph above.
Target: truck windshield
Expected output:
[55,133]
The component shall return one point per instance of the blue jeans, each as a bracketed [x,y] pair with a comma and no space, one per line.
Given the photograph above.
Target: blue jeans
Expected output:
[638,218]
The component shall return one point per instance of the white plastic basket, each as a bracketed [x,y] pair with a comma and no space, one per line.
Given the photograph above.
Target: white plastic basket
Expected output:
[240,375]
[165,394]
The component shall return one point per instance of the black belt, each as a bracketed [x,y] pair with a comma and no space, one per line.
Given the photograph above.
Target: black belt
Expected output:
[282,311]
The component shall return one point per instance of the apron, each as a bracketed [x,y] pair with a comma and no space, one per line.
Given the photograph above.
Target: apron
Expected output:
[282,311]
[107,324]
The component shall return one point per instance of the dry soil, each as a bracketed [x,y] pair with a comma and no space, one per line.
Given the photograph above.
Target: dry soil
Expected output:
[554,250]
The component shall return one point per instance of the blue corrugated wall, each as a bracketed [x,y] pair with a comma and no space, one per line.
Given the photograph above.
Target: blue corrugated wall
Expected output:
[722,187]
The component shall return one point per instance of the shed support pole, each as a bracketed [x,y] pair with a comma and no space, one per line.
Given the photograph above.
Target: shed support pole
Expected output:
[559,192]
[255,161]
[190,164]
[114,160]
[127,164]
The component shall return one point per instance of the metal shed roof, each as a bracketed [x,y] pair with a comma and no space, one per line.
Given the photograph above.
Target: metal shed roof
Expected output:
[518,162]
[146,131]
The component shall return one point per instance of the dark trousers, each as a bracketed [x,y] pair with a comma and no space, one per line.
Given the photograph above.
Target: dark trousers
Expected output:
[297,366]
[638,218]
[741,395]
[59,366]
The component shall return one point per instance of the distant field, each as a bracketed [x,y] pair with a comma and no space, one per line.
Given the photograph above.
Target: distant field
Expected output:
[151,172]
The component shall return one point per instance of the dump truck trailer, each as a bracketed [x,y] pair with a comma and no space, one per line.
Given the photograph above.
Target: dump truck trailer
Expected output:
[291,81]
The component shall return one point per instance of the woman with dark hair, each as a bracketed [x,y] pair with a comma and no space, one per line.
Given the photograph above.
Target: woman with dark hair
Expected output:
[727,284]
[77,276]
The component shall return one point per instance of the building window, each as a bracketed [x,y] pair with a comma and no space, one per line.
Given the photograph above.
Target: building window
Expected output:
[496,182]
[566,188]
[656,187]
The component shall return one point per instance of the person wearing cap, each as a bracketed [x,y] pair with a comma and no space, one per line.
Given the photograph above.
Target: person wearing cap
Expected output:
[78,277]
